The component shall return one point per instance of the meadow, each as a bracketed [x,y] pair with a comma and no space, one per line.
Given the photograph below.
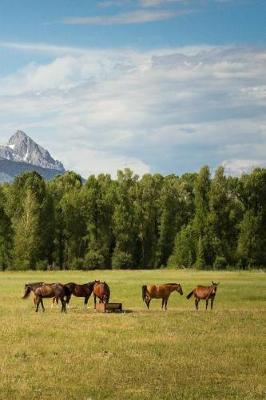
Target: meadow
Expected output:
[139,354]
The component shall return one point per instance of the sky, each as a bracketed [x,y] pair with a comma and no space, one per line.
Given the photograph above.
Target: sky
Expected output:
[154,85]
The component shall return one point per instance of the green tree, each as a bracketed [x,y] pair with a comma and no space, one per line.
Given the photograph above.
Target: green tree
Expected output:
[69,225]
[99,206]
[147,210]
[125,224]
[200,223]
[28,209]
[252,234]
[184,254]
[27,242]
[5,234]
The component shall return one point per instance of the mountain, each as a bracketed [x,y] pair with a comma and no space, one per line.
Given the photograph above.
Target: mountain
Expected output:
[23,154]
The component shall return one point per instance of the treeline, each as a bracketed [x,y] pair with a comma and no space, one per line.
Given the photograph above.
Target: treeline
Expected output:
[194,220]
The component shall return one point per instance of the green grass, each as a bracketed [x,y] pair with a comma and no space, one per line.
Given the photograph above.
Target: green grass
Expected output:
[158,355]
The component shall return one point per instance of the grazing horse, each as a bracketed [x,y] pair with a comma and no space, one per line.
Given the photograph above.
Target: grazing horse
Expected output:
[84,290]
[204,293]
[102,291]
[160,292]
[52,290]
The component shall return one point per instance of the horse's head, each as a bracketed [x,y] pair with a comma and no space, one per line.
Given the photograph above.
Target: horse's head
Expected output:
[214,286]
[105,298]
[27,290]
[179,289]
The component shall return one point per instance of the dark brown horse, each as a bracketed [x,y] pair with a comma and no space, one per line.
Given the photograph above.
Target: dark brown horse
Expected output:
[45,290]
[102,291]
[160,292]
[84,290]
[204,293]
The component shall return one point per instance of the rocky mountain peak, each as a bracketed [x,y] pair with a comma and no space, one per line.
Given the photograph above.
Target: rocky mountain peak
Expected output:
[22,148]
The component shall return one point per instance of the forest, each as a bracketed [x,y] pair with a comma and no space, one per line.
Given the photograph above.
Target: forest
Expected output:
[202,220]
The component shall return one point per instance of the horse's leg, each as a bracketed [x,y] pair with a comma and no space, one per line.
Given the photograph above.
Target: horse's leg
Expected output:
[197,303]
[165,303]
[53,301]
[37,302]
[212,300]
[86,302]
[148,302]
[43,309]
[68,297]
[207,302]
[162,303]
[63,307]
[94,301]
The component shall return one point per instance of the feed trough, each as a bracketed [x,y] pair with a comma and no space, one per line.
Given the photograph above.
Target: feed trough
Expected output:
[109,307]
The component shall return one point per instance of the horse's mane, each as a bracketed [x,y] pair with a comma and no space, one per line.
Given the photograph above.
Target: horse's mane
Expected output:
[171,284]
[90,284]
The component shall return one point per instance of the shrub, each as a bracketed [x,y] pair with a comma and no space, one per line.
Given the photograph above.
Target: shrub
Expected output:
[94,260]
[76,264]
[220,263]
[122,260]
[41,265]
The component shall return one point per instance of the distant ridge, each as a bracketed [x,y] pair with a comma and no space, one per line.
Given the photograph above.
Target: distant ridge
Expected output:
[23,154]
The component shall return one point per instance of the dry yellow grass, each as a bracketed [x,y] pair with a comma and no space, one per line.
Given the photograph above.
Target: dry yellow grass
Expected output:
[141,354]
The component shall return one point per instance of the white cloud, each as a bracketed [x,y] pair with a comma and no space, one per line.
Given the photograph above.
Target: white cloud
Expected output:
[169,110]
[239,167]
[152,3]
[133,17]
[95,162]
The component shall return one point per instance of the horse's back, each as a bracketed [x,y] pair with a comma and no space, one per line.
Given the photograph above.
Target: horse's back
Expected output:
[156,291]
[101,288]
[202,291]
[50,290]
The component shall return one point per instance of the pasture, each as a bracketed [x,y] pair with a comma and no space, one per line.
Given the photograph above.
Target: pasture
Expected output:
[140,354]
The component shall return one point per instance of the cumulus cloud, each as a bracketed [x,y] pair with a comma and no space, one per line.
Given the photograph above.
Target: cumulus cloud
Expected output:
[167,110]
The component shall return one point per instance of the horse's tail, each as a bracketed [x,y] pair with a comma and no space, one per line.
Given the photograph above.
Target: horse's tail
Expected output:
[27,292]
[26,295]
[190,294]
[67,293]
[144,290]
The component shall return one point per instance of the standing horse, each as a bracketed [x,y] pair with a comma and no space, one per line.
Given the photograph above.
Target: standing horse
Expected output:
[52,290]
[84,290]
[102,291]
[160,292]
[204,293]
[33,285]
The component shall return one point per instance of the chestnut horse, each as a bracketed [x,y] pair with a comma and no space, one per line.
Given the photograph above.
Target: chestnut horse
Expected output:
[84,290]
[204,293]
[102,291]
[160,292]
[45,290]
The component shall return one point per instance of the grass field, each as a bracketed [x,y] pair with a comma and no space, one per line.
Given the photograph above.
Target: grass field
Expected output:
[140,354]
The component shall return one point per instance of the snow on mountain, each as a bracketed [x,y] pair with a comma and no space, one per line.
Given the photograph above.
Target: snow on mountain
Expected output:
[21,148]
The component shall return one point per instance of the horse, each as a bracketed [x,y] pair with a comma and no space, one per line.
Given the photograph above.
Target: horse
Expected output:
[204,293]
[33,285]
[46,290]
[102,291]
[160,292]
[84,290]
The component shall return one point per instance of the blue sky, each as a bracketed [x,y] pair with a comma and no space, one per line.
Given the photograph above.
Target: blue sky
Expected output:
[156,85]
